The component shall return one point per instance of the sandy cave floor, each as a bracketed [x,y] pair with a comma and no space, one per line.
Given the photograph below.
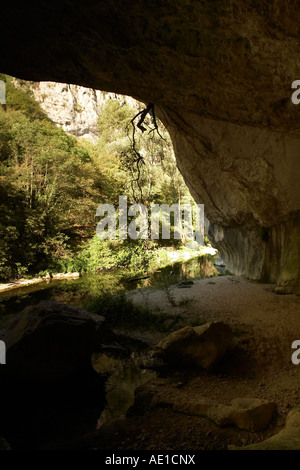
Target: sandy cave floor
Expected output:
[257,365]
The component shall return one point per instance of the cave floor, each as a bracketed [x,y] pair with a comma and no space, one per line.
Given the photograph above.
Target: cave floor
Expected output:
[257,365]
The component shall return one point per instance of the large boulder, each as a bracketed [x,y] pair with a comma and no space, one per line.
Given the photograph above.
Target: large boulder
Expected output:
[201,346]
[51,340]
[49,389]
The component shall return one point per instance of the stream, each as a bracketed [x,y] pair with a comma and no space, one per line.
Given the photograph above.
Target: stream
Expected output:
[77,291]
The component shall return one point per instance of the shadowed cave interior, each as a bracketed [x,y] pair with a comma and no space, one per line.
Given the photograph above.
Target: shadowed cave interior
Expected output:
[219,76]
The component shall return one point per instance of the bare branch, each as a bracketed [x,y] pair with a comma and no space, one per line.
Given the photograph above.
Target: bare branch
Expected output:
[138,158]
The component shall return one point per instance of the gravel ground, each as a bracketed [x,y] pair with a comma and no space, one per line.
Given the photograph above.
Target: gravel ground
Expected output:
[257,365]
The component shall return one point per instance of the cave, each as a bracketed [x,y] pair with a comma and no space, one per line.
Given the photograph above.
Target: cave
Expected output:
[220,77]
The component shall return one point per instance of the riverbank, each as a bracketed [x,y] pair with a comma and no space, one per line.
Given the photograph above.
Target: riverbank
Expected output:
[163,258]
[36,280]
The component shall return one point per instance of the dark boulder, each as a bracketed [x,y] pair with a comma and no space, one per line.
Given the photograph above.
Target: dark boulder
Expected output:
[49,389]
[51,341]
[201,346]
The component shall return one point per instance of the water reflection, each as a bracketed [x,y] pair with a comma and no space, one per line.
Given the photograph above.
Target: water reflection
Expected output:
[124,379]
[77,291]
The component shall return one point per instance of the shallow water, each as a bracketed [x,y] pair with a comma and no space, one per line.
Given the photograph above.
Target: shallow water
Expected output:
[77,291]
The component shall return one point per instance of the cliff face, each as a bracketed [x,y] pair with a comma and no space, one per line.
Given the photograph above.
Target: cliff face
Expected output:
[248,178]
[220,75]
[72,107]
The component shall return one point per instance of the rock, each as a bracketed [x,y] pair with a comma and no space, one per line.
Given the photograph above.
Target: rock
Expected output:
[219,262]
[250,414]
[74,108]
[49,389]
[283,290]
[287,439]
[143,399]
[201,346]
[51,341]
[197,408]
[220,266]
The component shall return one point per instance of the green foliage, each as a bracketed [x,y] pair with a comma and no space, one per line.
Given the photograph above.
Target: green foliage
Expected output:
[44,173]
[96,255]
[113,121]
[21,99]
[158,179]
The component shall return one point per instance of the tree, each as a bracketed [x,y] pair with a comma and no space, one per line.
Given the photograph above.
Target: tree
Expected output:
[51,184]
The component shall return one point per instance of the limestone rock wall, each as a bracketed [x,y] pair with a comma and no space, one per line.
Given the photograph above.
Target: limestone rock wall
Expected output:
[248,180]
[72,107]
